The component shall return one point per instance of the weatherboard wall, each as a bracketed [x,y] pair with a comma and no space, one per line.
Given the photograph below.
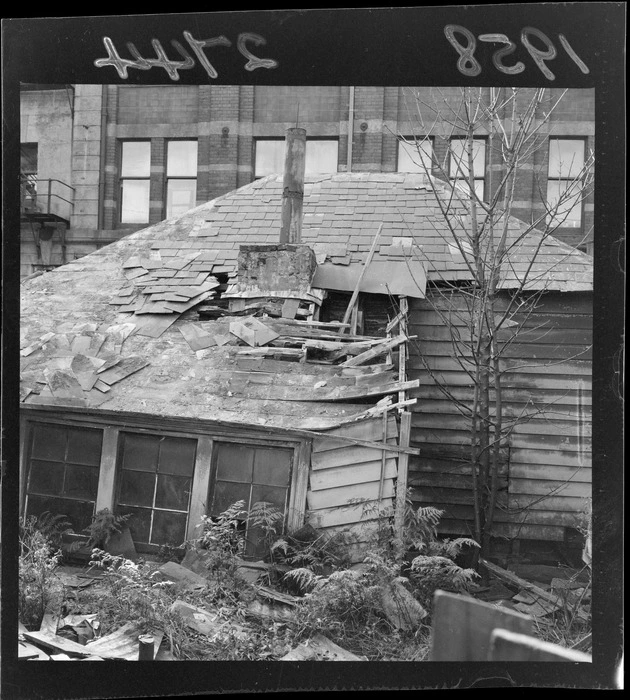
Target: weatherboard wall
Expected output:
[351,485]
[545,480]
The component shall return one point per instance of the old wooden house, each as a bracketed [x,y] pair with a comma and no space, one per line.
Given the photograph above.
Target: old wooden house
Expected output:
[199,361]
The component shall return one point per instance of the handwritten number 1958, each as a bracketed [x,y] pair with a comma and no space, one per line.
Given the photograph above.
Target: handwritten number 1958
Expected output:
[469,65]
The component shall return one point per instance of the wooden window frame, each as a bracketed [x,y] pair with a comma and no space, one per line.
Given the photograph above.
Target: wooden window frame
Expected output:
[481,178]
[170,178]
[550,178]
[206,436]
[27,427]
[122,179]
[411,141]
[150,546]
[281,139]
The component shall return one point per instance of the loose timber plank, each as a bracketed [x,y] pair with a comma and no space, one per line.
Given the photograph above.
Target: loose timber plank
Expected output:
[462,627]
[380,349]
[511,646]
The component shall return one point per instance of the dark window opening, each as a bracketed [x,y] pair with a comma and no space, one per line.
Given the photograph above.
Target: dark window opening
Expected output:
[28,175]
[63,471]
[154,485]
[375,311]
[253,474]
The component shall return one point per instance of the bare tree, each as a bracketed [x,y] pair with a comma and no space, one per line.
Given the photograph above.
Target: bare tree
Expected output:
[503,271]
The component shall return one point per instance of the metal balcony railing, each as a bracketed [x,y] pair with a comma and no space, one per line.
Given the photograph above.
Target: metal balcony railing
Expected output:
[48,198]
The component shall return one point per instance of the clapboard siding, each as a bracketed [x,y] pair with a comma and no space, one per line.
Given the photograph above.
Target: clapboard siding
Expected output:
[346,493]
[547,368]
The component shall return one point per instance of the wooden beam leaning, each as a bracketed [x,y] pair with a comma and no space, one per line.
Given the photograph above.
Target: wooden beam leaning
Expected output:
[355,293]
[377,350]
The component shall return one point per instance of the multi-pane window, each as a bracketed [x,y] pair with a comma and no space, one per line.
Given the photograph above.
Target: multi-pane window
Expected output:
[564,182]
[181,177]
[135,171]
[459,168]
[253,474]
[321,156]
[63,471]
[415,155]
[154,484]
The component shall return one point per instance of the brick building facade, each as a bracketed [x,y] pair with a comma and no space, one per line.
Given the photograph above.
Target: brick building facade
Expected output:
[169,147]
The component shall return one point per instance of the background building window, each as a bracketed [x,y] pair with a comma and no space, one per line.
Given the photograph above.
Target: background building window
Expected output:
[154,483]
[135,170]
[253,474]
[415,156]
[63,471]
[181,177]
[458,164]
[564,182]
[321,156]
[28,174]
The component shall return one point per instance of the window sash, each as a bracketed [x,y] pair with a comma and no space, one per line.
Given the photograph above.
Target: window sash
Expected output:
[566,164]
[134,201]
[415,156]
[181,195]
[569,212]
[320,157]
[63,469]
[566,158]
[181,159]
[240,473]
[458,160]
[158,449]
[135,160]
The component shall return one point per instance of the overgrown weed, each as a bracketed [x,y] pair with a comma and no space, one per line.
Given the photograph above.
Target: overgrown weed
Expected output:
[39,586]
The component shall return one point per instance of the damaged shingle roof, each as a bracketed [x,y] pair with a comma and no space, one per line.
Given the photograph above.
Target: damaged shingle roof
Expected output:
[110,329]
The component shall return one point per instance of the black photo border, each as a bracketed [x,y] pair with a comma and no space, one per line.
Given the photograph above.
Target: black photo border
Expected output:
[319,46]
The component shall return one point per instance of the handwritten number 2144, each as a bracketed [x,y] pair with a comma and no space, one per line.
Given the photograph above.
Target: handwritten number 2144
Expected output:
[468,64]
[172,67]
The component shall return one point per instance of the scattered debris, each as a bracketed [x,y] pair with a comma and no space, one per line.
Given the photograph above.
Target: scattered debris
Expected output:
[320,648]
[402,609]
[253,332]
[181,574]
[205,622]
[540,603]
[56,643]
[122,644]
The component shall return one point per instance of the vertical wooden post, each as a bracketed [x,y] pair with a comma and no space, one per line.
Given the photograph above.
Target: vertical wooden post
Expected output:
[199,489]
[401,485]
[145,647]
[293,186]
[107,473]
[383,457]
[402,349]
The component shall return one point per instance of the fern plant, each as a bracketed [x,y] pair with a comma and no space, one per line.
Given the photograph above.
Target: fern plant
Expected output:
[103,527]
[429,573]
[269,519]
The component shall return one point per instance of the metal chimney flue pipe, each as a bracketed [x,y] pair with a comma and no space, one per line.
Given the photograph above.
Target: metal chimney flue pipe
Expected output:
[293,186]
